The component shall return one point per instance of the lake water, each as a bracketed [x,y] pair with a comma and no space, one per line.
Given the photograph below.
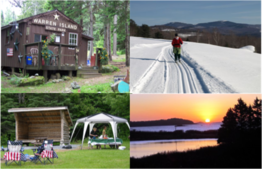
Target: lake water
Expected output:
[139,149]
[197,126]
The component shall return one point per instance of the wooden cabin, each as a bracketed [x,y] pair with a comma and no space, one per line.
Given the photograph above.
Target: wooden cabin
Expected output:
[52,123]
[22,45]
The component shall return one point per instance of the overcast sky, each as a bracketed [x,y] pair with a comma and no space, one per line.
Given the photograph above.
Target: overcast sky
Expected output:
[193,12]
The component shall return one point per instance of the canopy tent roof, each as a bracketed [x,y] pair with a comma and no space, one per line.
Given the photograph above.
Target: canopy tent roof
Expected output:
[45,114]
[102,118]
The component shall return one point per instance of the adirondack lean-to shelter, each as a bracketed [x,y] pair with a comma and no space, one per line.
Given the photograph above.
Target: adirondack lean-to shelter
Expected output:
[22,45]
[52,123]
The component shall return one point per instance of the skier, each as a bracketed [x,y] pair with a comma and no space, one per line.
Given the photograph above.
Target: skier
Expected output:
[176,43]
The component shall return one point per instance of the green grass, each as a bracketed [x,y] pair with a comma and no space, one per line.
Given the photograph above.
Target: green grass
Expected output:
[103,88]
[121,58]
[94,158]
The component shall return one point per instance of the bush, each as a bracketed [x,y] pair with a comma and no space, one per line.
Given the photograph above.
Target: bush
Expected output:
[109,69]
[121,52]
[15,80]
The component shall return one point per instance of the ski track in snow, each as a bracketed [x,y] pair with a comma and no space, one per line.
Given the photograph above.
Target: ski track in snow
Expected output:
[166,76]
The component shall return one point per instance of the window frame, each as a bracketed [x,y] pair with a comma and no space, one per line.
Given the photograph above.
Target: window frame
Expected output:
[69,40]
[41,36]
[59,38]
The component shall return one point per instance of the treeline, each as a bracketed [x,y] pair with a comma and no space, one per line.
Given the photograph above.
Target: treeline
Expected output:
[173,121]
[201,36]
[79,105]
[178,134]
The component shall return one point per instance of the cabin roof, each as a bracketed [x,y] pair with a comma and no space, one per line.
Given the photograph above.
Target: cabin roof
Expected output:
[87,37]
[39,15]
[34,111]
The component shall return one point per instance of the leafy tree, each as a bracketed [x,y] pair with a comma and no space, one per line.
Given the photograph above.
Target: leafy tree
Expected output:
[30,8]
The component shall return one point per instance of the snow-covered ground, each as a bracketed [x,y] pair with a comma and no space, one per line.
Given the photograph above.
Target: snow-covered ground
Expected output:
[204,68]
[171,128]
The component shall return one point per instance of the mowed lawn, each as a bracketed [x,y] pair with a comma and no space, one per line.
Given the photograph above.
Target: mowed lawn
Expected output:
[86,158]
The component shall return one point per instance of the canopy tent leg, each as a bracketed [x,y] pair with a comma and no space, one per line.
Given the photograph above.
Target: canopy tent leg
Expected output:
[128,125]
[113,124]
[84,133]
[73,132]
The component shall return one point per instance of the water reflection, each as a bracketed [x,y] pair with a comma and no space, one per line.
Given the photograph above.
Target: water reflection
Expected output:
[145,148]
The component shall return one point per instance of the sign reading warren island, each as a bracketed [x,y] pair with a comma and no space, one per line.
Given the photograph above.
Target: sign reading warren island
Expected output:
[55,23]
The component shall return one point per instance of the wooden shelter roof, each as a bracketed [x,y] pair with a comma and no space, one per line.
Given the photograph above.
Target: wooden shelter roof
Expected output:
[42,114]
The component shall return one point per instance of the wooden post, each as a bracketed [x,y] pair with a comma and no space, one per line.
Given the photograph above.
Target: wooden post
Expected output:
[70,73]
[39,56]
[25,57]
[16,127]
[59,57]
[13,70]
[62,128]
[45,75]
[96,56]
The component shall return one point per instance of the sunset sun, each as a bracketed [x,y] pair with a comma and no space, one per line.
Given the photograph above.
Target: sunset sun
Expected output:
[207,120]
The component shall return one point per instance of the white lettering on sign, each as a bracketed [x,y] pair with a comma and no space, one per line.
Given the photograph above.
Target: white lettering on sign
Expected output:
[54,29]
[52,23]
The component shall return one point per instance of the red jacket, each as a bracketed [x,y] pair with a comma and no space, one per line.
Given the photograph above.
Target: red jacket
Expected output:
[177,42]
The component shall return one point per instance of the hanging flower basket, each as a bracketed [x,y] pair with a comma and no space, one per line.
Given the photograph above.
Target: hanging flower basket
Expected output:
[103,57]
[46,53]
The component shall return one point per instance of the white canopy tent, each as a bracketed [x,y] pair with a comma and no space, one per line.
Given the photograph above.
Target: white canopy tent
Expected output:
[99,118]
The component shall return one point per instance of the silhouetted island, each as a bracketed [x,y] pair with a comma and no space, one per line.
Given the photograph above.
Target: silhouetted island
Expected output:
[173,121]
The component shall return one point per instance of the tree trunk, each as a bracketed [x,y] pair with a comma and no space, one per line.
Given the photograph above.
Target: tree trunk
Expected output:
[109,42]
[105,36]
[115,37]
[127,38]
[91,30]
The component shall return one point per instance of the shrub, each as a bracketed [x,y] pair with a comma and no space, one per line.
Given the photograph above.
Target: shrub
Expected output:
[109,69]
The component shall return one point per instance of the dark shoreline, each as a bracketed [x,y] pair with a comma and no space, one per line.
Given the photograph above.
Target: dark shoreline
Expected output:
[225,155]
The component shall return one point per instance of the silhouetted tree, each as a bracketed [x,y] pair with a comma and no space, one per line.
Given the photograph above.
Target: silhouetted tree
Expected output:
[241,124]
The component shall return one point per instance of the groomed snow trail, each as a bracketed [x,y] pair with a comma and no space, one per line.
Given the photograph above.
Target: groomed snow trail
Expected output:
[166,76]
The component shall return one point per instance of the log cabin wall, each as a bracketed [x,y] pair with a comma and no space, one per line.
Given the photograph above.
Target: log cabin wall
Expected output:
[22,128]
[50,130]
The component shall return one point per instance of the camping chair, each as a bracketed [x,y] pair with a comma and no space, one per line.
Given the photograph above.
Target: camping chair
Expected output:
[46,152]
[34,54]
[14,153]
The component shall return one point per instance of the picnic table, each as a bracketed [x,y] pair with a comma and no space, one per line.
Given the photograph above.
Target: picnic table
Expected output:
[39,141]
[110,141]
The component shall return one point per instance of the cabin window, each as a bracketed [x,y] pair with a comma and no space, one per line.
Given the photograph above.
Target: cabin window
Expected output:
[7,36]
[73,39]
[27,30]
[57,39]
[39,38]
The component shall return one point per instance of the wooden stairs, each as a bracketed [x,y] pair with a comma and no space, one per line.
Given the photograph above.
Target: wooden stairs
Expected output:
[88,72]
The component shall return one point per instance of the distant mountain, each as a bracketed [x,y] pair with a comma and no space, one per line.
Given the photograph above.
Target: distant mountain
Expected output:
[173,121]
[224,27]
[178,24]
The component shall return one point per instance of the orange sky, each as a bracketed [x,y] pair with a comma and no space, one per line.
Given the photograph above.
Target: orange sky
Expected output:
[194,107]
